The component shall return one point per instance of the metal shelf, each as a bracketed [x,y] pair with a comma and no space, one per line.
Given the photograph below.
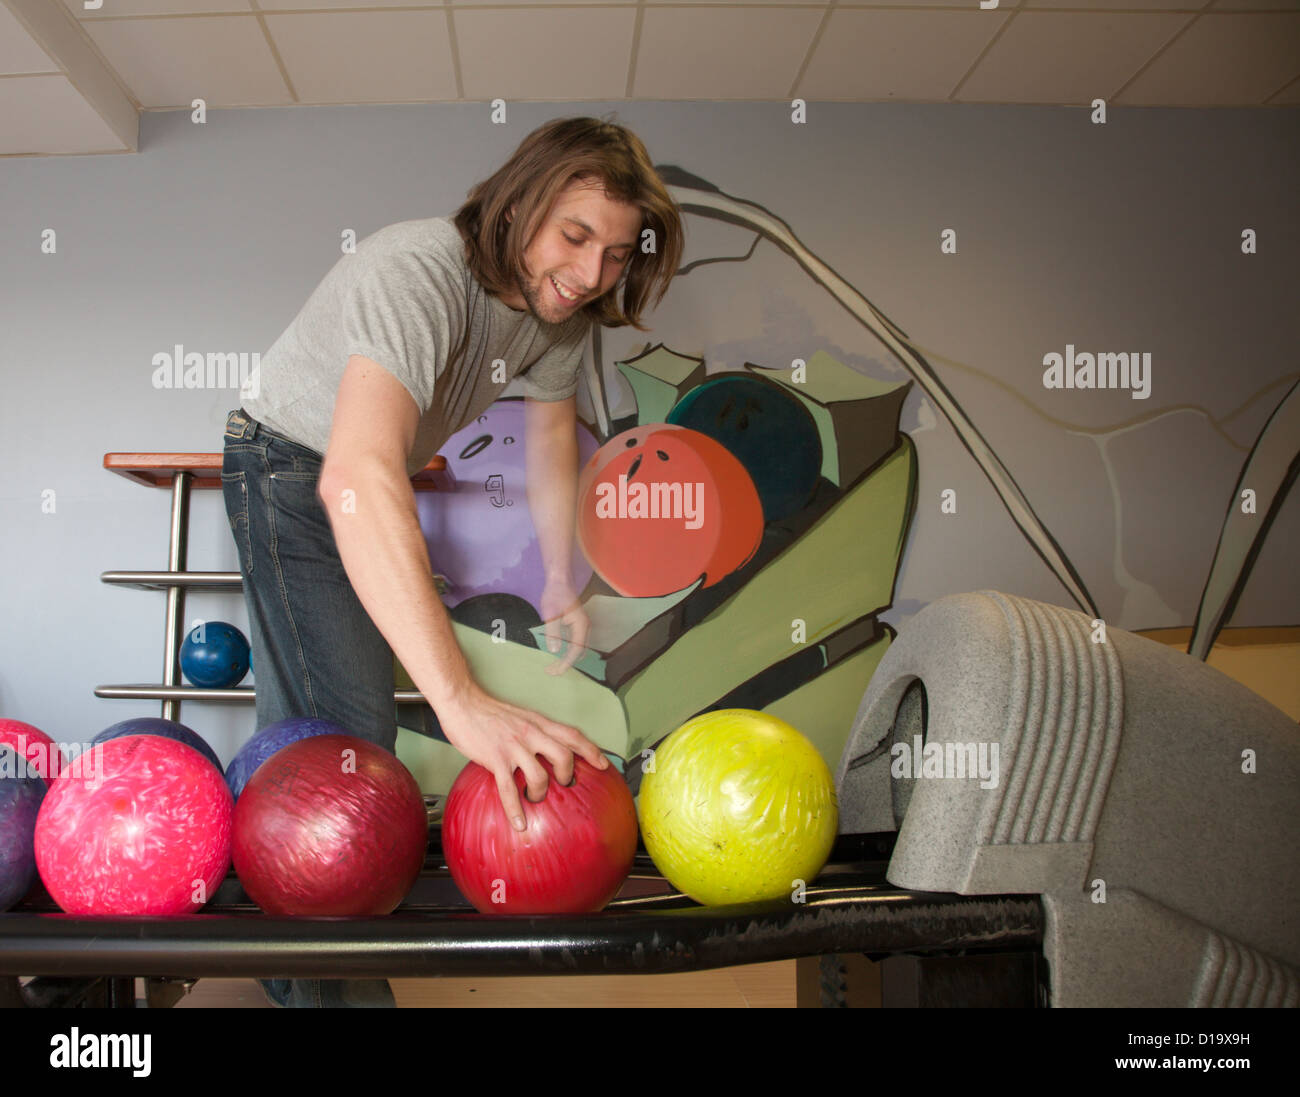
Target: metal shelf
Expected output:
[238,695]
[165,580]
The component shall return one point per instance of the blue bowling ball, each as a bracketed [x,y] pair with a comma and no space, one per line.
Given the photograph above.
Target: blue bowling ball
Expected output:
[214,655]
[766,429]
[21,791]
[168,729]
[270,739]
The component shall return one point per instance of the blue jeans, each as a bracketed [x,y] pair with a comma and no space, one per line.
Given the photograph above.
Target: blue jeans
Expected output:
[316,651]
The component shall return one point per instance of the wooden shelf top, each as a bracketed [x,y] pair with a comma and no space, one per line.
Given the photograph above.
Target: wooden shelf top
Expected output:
[156,470]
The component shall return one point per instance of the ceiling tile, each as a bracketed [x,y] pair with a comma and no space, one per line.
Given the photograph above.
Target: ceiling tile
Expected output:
[1222,60]
[46,115]
[19,53]
[586,56]
[722,53]
[872,55]
[366,57]
[223,60]
[112,9]
[1068,57]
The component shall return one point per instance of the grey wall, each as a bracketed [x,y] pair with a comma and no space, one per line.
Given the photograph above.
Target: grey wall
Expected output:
[1115,237]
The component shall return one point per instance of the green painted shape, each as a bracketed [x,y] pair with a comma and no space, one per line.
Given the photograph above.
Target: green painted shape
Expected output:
[517,674]
[828,381]
[842,569]
[658,379]
[824,708]
[433,763]
[613,622]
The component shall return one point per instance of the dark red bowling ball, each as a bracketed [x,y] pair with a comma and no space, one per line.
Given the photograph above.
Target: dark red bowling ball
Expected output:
[573,857]
[329,826]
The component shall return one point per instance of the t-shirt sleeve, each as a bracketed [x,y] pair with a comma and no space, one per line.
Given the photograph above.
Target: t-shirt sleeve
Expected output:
[401,314]
[554,376]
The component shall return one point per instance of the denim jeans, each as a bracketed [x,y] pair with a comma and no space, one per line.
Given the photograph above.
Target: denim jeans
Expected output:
[316,651]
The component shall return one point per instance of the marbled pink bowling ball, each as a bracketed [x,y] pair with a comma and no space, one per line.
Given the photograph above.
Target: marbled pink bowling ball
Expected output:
[138,825]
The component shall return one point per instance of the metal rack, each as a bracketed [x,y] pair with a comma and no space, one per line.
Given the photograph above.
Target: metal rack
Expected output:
[183,473]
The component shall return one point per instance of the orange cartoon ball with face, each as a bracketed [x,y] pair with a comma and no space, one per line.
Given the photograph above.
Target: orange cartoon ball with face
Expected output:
[661,506]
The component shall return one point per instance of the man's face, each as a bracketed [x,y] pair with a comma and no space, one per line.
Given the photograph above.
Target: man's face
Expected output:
[581,250]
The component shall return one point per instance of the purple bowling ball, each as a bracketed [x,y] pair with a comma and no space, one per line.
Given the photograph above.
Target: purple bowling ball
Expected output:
[168,729]
[481,536]
[21,791]
[270,739]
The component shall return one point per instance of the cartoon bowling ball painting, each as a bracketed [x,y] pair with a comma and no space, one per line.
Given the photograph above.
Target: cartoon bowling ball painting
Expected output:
[660,506]
[768,430]
[481,535]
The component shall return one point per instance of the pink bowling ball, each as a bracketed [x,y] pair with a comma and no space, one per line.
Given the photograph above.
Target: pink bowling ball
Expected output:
[138,825]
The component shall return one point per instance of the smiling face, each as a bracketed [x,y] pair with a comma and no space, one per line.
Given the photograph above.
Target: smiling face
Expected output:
[579,253]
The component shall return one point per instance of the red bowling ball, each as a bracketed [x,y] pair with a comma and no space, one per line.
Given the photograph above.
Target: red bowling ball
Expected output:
[330,826]
[573,857]
[138,825]
[661,506]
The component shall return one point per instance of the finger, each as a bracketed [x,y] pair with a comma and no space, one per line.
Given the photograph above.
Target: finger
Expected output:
[560,757]
[554,635]
[509,793]
[535,778]
[572,738]
[578,626]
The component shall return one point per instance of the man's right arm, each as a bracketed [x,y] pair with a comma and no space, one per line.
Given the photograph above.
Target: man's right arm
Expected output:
[368,496]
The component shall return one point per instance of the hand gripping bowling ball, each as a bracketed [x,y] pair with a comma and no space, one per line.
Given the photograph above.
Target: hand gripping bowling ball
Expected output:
[21,791]
[215,655]
[332,825]
[738,806]
[573,857]
[268,741]
[142,828]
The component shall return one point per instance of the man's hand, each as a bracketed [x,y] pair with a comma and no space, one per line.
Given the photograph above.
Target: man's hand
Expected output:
[564,617]
[503,737]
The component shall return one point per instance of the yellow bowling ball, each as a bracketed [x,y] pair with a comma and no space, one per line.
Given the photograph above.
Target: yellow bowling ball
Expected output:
[738,807]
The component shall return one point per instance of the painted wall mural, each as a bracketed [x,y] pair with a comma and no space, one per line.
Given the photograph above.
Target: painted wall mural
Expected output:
[743,530]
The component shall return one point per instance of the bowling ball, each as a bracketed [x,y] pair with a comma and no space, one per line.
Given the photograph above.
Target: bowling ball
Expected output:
[573,857]
[167,729]
[332,825]
[661,506]
[21,791]
[739,805]
[41,752]
[504,615]
[143,828]
[268,741]
[481,536]
[768,430]
[214,655]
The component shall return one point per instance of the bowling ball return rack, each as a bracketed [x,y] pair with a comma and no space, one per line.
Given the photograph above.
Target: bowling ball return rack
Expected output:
[963,950]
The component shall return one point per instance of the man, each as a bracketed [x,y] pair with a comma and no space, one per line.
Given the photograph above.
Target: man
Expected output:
[401,345]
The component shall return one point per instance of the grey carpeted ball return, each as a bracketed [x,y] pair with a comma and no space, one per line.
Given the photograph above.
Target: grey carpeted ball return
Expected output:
[1116,783]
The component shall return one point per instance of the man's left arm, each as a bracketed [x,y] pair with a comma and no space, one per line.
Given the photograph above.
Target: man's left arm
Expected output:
[551,442]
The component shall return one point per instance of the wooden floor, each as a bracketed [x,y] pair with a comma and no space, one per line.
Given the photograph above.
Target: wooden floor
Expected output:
[752,986]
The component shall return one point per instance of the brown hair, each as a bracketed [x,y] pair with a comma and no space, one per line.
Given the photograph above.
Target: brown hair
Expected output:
[543,165]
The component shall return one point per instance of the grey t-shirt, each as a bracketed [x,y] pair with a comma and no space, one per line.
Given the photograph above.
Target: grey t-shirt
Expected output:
[405,299]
